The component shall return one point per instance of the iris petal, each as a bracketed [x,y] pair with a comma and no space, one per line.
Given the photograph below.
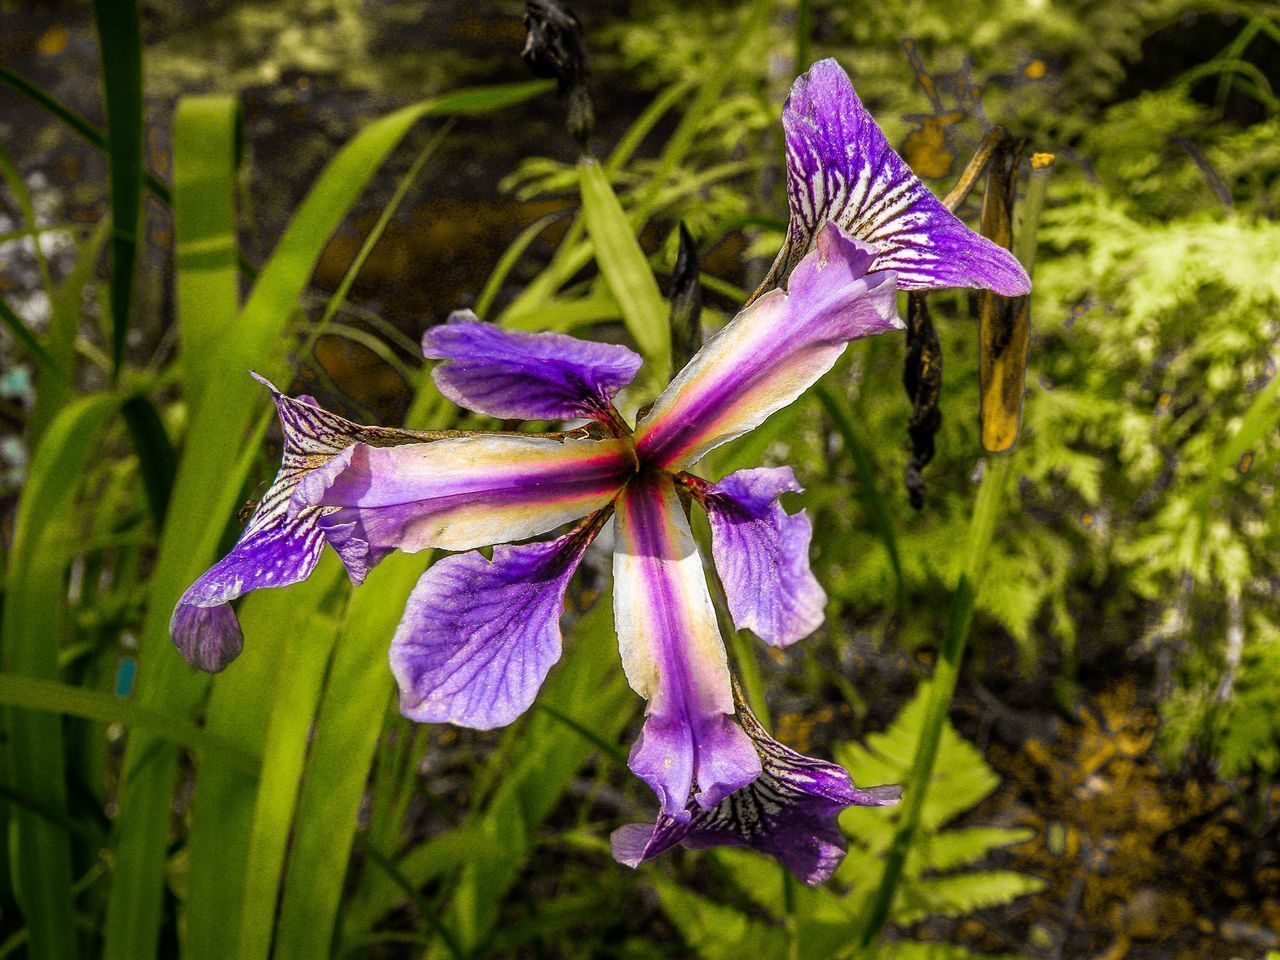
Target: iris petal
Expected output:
[460,493]
[770,353]
[789,813]
[840,167]
[478,636]
[762,555]
[673,655]
[277,547]
[526,376]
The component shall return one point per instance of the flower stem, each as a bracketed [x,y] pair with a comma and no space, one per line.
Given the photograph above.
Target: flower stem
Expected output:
[915,791]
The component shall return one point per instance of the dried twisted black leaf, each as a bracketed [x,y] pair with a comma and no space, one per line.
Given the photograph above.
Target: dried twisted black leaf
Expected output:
[554,48]
[922,378]
[686,302]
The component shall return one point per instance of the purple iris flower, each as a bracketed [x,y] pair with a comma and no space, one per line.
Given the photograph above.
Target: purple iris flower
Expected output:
[480,634]
[840,167]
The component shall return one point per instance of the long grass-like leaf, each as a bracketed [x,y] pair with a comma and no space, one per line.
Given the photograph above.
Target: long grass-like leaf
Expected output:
[157,459]
[205,494]
[120,44]
[339,296]
[33,621]
[52,697]
[295,697]
[345,735]
[74,121]
[249,706]
[626,269]
[205,159]
[510,257]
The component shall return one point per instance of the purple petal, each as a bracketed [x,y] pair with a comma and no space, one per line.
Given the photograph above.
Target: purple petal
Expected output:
[762,555]
[208,637]
[673,655]
[840,167]
[461,492]
[277,548]
[478,636]
[790,813]
[526,376]
[770,353]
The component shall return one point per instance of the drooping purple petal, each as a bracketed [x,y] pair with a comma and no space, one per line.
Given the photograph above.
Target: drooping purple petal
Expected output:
[762,555]
[771,352]
[277,548]
[789,813]
[460,493]
[673,655]
[526,376]
[208,637]
[840,167]
[478,636]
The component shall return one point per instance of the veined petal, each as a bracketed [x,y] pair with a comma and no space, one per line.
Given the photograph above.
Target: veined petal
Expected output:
[770,353]
[789,813]
[462,492]
[762,555]
[526,376]
[478,636]
[673,655]
[277,547]
[840,167]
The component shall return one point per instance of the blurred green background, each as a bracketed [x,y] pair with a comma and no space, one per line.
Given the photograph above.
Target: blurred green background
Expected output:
[313,182]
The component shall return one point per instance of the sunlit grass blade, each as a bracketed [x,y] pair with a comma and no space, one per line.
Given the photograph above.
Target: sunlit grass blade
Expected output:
[205,494]
[708,97]
[346,733]
[33,621]
[294,699]
[265,706]
[566,316]
[626,269]
[120,45]
[206,134]
[51,697]
[339,296]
